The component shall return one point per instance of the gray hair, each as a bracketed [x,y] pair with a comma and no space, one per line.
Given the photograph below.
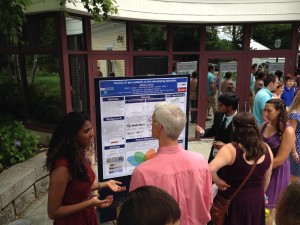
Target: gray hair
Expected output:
[171,117]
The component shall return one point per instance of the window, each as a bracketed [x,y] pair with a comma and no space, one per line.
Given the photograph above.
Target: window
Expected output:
[40,31]
[227,37]
[186,38]
[150,65]
[149,37]
[271,36]
[109,36]
[75,36]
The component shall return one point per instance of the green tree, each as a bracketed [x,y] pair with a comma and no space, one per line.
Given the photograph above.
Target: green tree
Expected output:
[266,34]
[12,16]
[228,37]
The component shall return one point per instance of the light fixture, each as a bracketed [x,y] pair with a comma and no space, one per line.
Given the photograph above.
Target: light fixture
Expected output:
[277,43]
[120,39]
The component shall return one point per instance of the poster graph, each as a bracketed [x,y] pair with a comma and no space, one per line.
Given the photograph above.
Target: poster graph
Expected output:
[124,108]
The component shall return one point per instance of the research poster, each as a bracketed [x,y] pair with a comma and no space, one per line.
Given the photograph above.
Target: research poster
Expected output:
[186,67]
[124,117]
[272,67]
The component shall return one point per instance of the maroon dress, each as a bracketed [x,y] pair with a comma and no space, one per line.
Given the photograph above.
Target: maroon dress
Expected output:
[76,192]
[248,206]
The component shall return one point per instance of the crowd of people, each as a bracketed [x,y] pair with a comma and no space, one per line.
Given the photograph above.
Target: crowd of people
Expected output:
[175,187]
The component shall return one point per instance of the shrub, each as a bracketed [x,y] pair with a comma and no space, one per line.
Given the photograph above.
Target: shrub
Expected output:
[17,144]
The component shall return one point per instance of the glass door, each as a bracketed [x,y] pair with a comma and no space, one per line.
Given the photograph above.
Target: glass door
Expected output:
[218,74]
[111,66]
[263,64]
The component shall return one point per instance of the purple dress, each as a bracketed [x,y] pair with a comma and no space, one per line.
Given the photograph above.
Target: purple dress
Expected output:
[248,206]
[280,178]
[295,167]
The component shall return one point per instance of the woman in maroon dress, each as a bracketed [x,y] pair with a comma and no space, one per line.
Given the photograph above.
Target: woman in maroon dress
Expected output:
[236,160]
[70,200]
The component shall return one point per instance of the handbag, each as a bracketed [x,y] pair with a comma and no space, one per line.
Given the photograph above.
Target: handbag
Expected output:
[219,209]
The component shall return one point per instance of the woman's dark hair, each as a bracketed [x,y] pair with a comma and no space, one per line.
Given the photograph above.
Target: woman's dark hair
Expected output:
[246,133]
[194,74]
[148,205]
[64,144]
[288,206]
[278,73]
[282,117]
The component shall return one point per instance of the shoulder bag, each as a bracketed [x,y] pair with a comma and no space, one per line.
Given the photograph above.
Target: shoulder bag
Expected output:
[219,209]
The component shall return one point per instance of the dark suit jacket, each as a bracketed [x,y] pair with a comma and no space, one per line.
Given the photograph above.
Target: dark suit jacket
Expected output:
[216,132]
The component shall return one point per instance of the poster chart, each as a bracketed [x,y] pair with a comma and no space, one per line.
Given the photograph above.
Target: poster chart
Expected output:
[124,109]
[272,67]
[186,67]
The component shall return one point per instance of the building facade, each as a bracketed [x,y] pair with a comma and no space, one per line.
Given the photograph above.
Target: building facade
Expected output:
[52,72]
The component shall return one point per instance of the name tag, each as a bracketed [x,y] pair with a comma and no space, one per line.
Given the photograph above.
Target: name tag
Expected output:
[215,151]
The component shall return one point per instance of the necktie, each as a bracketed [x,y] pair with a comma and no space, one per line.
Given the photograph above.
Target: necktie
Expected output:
[223,125]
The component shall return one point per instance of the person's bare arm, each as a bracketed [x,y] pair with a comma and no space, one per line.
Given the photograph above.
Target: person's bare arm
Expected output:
[287,144]
[224,157]
[59,179]
[295,155]
[212,87]
[113,185]
[269,170]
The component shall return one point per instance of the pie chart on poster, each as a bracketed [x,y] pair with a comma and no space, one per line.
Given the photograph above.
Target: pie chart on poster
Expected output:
[140,157]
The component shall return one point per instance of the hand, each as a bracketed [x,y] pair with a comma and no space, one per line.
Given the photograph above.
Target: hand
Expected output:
[218,144]
[103,203]
[295,157]
[199,129]
[222,185]
[115,186]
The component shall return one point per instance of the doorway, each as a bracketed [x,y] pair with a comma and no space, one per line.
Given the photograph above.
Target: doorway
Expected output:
[104,66]
[209,100]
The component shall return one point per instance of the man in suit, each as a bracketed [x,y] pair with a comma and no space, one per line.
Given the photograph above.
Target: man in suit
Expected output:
[222,125]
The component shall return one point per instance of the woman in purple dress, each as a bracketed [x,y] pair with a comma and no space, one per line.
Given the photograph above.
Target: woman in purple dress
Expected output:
[280,136]
[236,160]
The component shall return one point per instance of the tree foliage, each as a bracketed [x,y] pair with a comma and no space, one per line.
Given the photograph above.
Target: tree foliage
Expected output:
[149,37]
[266,34]
[12,16]
[228,37]
[100,9]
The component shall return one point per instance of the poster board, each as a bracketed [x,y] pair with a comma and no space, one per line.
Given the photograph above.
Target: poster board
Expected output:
[124,108]
[186,67]
[272,67]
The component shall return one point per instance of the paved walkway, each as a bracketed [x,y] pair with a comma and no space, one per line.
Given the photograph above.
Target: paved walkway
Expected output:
[37,212]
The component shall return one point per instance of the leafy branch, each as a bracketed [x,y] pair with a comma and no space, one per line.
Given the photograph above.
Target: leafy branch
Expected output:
[12,16]
[99,9]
